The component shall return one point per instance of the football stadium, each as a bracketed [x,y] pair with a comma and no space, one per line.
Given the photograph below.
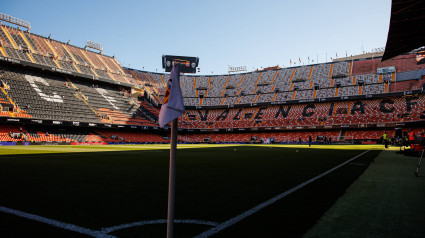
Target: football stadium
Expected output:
[311,149]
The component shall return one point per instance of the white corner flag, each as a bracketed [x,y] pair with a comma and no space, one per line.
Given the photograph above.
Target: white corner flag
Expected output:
[173,105]
[171,109]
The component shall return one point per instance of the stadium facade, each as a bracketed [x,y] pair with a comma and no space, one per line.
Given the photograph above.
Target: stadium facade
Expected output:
[54,92]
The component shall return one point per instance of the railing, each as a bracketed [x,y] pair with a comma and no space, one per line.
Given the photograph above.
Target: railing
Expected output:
[16,21]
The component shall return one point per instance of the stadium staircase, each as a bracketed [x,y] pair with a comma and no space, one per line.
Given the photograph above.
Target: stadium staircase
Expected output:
[341,136]
[5,34]
[16,109]
[3,52]
[148,111]
[79,95]
[103,135]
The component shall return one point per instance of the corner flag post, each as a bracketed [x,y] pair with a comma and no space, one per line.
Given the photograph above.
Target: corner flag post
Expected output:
[171,179]
[171,109]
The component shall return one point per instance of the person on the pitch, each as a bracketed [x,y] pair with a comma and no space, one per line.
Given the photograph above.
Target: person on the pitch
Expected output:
[385,138]
[309,141]
[411,136]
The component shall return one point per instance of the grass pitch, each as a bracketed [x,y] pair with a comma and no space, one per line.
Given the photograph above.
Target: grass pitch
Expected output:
[387,200]
[102,187]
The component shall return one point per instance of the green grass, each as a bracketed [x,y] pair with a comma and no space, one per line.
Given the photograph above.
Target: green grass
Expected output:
[386,201]
[50,149]
[103,186]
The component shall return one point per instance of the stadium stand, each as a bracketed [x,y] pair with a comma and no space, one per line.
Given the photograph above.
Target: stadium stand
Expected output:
[9,133]
[337,79]
[279,137]
[340,69]
[386,110]
[61,86]
[47,96]
[43,133]
[29,47]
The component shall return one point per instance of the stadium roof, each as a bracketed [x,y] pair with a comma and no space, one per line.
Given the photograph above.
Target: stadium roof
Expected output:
[407,27]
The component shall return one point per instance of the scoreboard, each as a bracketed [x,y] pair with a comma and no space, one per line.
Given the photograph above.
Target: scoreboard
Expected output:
[187,64]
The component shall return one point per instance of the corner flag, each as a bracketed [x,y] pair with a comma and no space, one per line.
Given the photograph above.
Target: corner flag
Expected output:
[173,105]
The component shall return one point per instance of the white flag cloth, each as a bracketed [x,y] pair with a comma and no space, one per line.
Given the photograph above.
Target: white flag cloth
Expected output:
[173,105]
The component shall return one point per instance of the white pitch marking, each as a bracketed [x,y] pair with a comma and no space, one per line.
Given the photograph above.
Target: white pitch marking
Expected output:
[257,208]
[61,153]
[160,221]
[63,225]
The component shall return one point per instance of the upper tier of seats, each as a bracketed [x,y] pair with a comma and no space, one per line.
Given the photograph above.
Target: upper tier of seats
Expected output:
[32,48]
[336,79]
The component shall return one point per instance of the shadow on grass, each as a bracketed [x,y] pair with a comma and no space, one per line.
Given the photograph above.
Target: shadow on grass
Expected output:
[103,189]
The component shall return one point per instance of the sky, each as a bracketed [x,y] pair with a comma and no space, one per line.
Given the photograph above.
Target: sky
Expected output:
[255,34]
